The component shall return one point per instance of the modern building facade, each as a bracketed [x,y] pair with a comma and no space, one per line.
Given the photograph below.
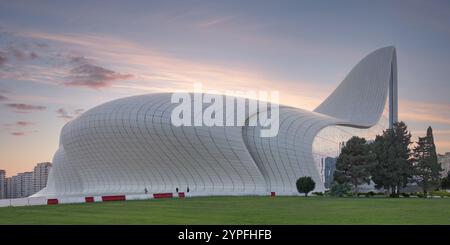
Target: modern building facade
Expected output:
[23,184]
[129,145]
[329,168]
[40,176]
[2,184]
[10,192]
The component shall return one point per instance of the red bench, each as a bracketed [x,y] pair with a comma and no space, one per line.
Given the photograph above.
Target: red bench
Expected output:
[113,198]
[162,195]
[53,201]
[89,199]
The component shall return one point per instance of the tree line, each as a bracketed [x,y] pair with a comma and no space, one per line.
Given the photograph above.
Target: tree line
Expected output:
[389,161]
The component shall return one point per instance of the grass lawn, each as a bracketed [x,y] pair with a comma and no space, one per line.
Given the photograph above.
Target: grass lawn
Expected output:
[239,210]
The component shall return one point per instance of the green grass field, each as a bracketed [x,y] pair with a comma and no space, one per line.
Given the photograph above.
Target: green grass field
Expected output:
[239,210]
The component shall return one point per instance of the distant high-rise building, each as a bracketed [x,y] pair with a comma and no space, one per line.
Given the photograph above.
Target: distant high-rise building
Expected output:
[9,188]
[2,184]
[16,186]
[444,159]
[23,184]
[40,175]
[20,185]
[330,167]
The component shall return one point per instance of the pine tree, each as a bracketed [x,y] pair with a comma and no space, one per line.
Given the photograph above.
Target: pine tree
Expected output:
[393,169]
[354,163]
[427,167]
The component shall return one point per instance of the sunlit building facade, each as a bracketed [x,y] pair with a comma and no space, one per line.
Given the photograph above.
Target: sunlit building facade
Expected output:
[129,145]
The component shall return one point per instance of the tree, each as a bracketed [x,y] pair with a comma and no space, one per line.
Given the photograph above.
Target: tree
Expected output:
[340,190]
[354,163]
[445,182]
[305,185]
[426,165]
[393,169]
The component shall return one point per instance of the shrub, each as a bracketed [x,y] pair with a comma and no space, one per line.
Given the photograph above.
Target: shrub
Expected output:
[370,194]
[440,193]
[394,195]
[318,193]
[340,190]
[305,185]
[405,194]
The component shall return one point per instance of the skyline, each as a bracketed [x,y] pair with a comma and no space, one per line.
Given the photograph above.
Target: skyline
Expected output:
[60,59]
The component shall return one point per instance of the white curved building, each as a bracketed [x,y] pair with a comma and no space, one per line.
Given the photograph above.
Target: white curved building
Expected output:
[128,145]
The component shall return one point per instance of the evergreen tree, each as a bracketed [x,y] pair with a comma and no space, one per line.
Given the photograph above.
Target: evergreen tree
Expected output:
[340,190]
[354,163]
[305,185]
[393,169]
[427,167]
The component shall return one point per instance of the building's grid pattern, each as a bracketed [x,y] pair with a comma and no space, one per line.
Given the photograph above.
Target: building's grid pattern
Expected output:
[129,145]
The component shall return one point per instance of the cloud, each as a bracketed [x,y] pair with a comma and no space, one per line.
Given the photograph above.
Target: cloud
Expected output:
[154,71]
[17,128]
[93,76]
[25,107]
[18,133]
[3,59]
[63,113]
[17,124]
[22,133]
[3,98]
[20,54]
[17,53]
[78,112]
[23,123]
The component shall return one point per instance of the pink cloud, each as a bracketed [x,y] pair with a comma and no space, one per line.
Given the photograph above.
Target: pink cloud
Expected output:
[26,107]
[18,133]
[63,113]
[21,54]
[85,73]
[93,76]
[23,123]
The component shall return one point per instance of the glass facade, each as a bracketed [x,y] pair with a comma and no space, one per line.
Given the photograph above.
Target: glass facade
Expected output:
[329,141]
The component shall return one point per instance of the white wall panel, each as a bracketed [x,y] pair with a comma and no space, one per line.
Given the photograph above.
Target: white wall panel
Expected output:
[128,145]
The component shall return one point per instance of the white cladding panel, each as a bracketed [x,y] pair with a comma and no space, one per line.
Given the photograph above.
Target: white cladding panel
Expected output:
[128,145]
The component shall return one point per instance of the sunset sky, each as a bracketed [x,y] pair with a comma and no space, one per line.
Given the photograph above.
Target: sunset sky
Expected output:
[61,58]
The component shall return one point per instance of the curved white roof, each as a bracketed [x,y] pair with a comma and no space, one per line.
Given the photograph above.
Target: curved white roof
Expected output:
[360,98]
[129,144]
